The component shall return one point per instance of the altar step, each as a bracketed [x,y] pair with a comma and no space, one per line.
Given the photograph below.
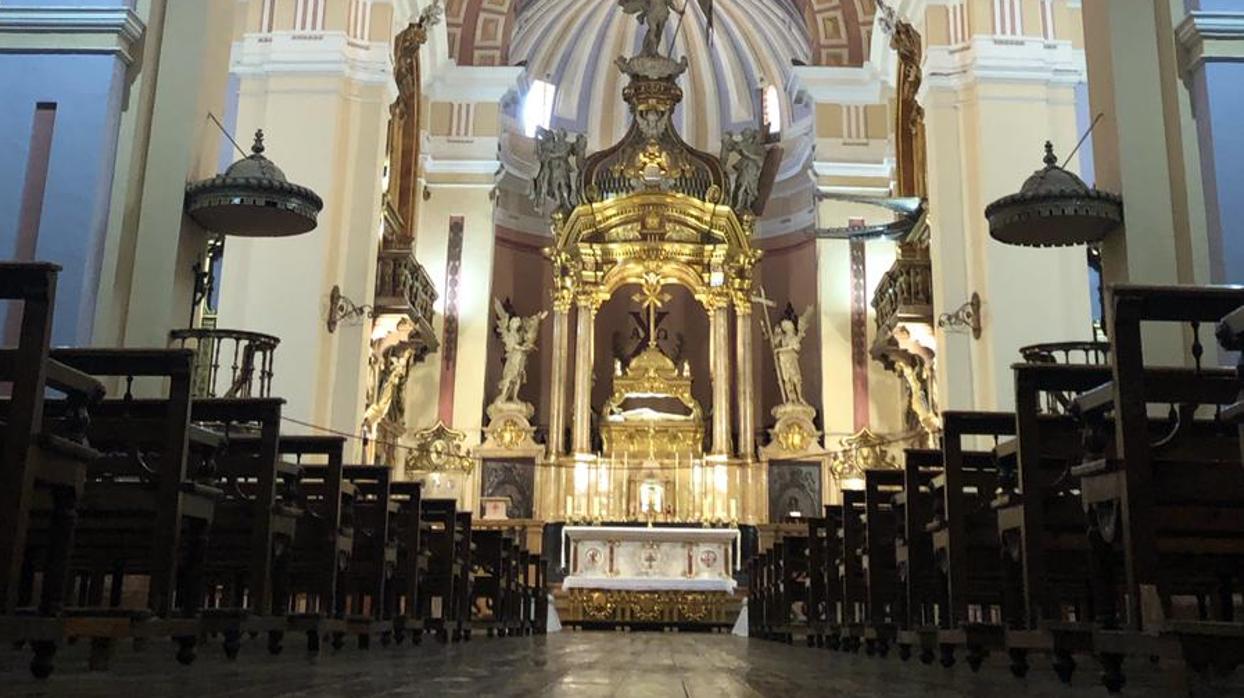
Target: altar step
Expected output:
[678,611]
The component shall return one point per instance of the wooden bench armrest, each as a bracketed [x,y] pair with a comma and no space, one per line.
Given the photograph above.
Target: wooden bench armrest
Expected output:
[73,382]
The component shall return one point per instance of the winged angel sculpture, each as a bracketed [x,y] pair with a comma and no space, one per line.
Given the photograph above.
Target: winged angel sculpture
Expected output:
[561,162]
[743,158]
[518,336]
[787,339]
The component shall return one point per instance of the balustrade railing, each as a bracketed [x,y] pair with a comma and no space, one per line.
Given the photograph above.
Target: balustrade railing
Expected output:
[229,363]
[906,289]
[403,286]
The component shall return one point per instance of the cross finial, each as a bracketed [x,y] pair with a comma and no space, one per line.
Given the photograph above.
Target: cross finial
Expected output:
[1050,158]
[257,148]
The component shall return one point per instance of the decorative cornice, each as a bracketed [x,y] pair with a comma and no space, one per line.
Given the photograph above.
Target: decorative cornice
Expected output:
[313,53]
[1005,59]
[107,30]
[470,83]
[1210,36]
[842,85]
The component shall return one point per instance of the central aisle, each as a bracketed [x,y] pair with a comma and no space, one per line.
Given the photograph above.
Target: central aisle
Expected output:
[578,665]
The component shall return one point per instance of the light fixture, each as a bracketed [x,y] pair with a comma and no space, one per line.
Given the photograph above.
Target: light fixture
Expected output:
[966,316]
[342,309]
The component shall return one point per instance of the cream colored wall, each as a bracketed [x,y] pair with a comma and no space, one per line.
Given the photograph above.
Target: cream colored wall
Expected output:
[985,138]
[326,133]
[834,306]
[164,140]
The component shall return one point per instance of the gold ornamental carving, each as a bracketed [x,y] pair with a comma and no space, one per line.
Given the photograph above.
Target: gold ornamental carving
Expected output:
[650,607]
[862,451]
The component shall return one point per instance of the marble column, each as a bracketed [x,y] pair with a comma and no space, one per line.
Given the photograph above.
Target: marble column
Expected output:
[743,380]
[719,330]
[585,341]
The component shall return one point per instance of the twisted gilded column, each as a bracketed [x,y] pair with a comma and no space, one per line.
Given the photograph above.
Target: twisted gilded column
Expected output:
[743,380]
[585,340]
[719,330]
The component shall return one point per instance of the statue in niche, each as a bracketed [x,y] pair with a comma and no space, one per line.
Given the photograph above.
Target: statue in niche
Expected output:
[561,162]
[743,159]
[654,14]
[395,362]
[787,340]
[518,336]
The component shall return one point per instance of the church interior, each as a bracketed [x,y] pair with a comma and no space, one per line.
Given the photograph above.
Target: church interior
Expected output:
[622,347]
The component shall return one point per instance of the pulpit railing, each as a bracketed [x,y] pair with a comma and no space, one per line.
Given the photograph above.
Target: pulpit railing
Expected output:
[403,287]
[905,293]
[1075,353]
[229,363]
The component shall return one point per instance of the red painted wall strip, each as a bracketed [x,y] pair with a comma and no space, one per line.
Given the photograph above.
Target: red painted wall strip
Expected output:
[859,332]
[449,343]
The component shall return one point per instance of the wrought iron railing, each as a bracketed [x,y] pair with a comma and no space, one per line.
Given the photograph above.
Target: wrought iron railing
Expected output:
[1078,353]
[229,363]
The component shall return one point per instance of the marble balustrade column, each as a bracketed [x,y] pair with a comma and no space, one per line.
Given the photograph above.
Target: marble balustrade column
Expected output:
[584,353]
[719,330]
[743,381]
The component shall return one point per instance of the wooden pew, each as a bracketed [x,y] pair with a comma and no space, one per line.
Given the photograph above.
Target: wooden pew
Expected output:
[790,580]
[1041,522]
[851,571]
[965,539]
[437,593]
[1231,336]
[37,457]
[817,607]
[913,555]
[830,578]
[146,508]
[1169,503]
[756,613]
[883,600]
[412,561]
[491,582]
[464,551]
[253,534]
[308,584]
[374,559]
[539,584]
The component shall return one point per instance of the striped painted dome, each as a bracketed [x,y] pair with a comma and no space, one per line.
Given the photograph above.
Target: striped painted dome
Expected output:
[573,45]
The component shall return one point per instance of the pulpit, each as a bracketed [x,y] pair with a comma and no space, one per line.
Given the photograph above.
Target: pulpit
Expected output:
[650,576]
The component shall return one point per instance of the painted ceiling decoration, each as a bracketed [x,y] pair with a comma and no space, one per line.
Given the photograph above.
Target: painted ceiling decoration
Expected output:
[840,30]
[480,30]
[837,32]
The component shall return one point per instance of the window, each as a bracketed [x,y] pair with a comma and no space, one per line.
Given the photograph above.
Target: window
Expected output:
[1047,20]
[772,106]
[538,107]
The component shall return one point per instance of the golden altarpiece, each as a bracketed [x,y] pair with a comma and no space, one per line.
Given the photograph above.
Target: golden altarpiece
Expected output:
[644,215]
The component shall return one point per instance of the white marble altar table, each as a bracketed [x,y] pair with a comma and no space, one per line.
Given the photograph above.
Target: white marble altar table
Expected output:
[650,559]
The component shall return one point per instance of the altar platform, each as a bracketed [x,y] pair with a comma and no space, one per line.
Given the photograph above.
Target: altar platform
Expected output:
[650,577]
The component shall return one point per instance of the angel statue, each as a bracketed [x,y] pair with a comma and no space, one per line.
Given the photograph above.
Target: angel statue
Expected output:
[786,338]
[655,14]
[743,159]
[518,336]
[561,163]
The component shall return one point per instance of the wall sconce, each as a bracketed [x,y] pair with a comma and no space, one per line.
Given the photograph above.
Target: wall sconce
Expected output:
[966,316]
[342,309]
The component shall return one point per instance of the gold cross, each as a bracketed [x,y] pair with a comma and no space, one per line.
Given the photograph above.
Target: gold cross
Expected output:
[650,297]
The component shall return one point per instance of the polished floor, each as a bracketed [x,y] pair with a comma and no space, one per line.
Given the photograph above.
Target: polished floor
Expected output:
[579,664]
